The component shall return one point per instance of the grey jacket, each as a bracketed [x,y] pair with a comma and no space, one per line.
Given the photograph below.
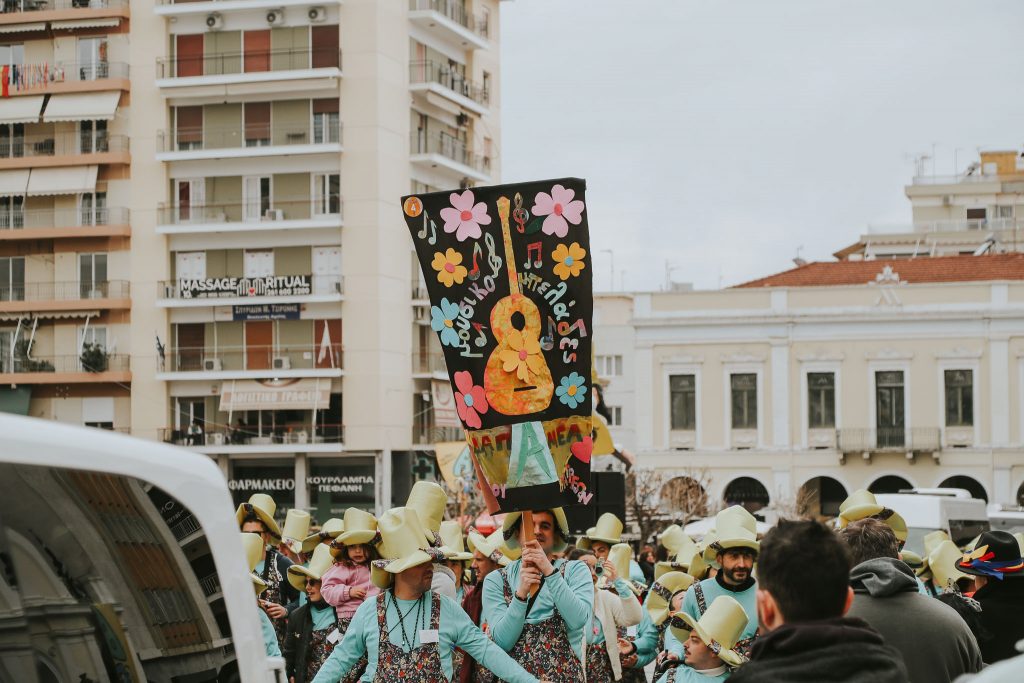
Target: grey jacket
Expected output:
[934,640]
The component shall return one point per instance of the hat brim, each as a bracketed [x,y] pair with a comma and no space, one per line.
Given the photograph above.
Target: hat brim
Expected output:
[258,583]
[381,577]
[297,575]
[267,520]
[587,542]
[357,537]
[514,519]
[858,512]
[971,571]
[730,657]
[711,552]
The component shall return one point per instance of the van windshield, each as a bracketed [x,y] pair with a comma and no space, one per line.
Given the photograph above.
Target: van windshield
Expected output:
[915,538]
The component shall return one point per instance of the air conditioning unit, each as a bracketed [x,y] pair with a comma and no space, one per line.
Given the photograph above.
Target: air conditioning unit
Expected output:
[317,14]
[215,439]
[212,365]
[282,363]
[273,215]
[275,17]
[214,21]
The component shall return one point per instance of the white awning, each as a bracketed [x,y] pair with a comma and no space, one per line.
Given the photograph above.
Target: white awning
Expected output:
[294,394]
[85,23]
[47,315]
[66,180]
[13,182]
[82,107]
[23,28]
[21,109]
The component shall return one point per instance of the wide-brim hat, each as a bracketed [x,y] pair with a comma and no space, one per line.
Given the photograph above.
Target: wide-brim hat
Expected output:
[942,563]
[996,555]
[720,627]
[913,560]
[492,546]
[860,504]
[607,530]
[264,507]
[258,583]
[620,555]
[735,527]
[296,529]
[318,566]
[933,540]
[672,538]
[659,600]
[360,528]
[330,529]
[403,546]
[898,525]
[452,542]
[510,527]
[429,500]
[253,547]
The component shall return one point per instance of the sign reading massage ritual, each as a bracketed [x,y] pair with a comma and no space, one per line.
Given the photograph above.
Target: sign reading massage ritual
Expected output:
[510,281]
[271,285]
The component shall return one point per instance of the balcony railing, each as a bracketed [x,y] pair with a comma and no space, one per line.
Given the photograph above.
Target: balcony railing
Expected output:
[924,439]
[36,77]
[64,143]
[955,179]
[254,357]
[13,6]
[289,59]
[63,218]
[186,139]
[301,208]
[449,147]
[420,293]
[290,434]
[66,291]
[431,434]
[984,225]
[66,363]
[454,10]
[230,287]
[428,362]
[444,75]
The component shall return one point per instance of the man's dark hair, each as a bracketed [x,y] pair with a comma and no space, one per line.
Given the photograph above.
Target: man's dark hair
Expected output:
[253,517]
[870,539]
[806,568]
[578,553]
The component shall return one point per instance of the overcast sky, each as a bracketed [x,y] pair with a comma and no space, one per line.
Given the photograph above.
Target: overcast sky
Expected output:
[722,135]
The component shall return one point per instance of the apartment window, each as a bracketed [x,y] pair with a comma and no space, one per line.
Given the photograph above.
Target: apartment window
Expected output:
[821,400]
[326,127]
[485,87]
[92,276]
[959,398]
[683,400]
[1004,211]
[93,335]
[189,127]
[257,124]
[12,55]
[889,418]
[609,366]
[744,400]
[256,194]
[7,348]
[12,212]
[92,136]
[92,58]
[326,193]
[326,43]
[93,208]
[12,278]
[616,413]
[12,140]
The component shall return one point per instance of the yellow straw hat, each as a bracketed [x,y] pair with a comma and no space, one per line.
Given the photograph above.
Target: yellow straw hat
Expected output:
[659,600]
[264,507]
[453,543]
[492,546]
[296,529]
[735,527]
[318,566]
[681,560]
[429,500]
[720,627]
[510,529]
[942,561]
[620,556]
[859,505]
[360,528]
[252,546]
[330,529]
[672,538]
[607,530]
[403,546]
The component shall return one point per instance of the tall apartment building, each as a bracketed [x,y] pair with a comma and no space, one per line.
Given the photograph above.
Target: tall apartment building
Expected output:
[248,255]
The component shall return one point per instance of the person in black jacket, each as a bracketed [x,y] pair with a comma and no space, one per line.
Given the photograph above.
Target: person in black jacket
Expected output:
[998,571]
[313,627]
[804,572]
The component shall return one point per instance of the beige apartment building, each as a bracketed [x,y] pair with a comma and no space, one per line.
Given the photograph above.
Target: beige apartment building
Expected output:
[202,234]
[807,385]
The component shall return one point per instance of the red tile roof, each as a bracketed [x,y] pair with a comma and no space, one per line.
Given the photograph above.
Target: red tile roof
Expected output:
[926,269]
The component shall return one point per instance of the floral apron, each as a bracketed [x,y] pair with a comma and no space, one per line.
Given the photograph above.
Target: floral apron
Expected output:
[639,675]
[599,666]
[357,671]
[273,578]
[543,649]
[317,652]
[421,664]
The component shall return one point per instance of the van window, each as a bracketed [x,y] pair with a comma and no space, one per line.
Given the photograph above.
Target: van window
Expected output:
[115,561]
[963,531]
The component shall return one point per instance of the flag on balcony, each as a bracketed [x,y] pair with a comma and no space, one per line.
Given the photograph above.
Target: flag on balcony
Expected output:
[509,278]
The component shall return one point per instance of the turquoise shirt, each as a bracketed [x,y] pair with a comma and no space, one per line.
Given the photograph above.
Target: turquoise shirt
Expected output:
[646,641]
[572,596]
[595,633]
[323,619]
[269,635]
[685,674]
[712,589]
[455,630]
[636,573]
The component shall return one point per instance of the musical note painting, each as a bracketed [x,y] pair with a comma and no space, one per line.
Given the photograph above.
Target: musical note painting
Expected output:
[509,274]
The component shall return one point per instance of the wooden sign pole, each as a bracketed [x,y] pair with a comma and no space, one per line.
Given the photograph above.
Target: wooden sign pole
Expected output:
[526,534]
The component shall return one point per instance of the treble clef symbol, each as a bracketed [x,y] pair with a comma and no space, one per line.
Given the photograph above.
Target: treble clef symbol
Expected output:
[519,214]
[493,260]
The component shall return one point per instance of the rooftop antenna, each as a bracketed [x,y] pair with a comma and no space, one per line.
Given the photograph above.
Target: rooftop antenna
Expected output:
[798,260]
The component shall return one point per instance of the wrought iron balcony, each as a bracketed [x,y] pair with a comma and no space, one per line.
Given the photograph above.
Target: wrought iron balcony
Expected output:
[451,79]
[254,61]
[66,291]
[266,359]
[188,139]
[296,209]
[892,439]
[19,219]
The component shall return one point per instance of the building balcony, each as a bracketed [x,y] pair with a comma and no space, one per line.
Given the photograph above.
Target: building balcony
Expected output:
[446,153]
[450,21]
[65,369]
[35,297]
[252,362]
[238,291]
[289,214]
[427,434]
[889,440]
[292,437]
[186,144]
[441,79]
[427,365]
[981,225]
[48,224]
[63,149]
[39,11]
[182,7]
[295,70]
[68,77]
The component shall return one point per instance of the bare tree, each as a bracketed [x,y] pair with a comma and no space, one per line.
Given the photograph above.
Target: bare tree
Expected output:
[805,505]
[642,487]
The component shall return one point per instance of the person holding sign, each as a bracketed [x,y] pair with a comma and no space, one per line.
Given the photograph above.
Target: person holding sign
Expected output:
[408,631]
[537,610]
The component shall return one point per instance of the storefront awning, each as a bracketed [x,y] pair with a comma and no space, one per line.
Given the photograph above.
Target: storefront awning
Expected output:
[23,28]
[21,109]
[300,394]
[13,182]
[48,315]
[69,180]
[94,106]
[84,23]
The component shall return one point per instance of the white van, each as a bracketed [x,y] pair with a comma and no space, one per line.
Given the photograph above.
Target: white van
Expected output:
[927,510]
[120,560]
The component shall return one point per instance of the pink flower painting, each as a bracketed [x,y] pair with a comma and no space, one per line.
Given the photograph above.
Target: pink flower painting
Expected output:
[469,400]
[464,218]
[559,207]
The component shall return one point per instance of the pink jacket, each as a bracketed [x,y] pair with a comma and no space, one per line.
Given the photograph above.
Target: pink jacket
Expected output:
[339,580]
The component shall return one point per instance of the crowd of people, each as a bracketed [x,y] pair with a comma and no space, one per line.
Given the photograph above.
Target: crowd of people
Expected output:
[414,597]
